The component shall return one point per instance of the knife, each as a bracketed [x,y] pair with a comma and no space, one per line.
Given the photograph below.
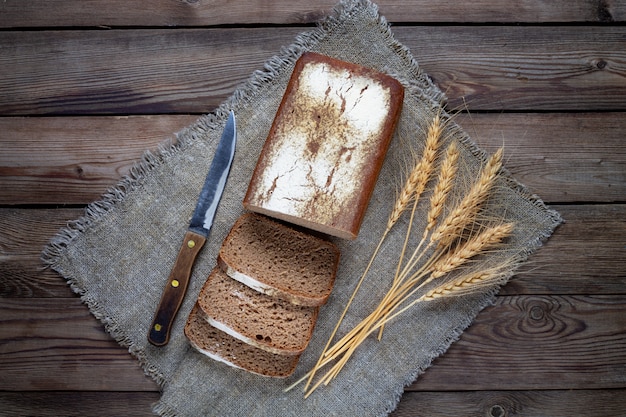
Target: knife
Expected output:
[195,237]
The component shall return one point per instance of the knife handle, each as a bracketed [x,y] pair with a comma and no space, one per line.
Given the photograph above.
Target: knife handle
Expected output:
[175,289]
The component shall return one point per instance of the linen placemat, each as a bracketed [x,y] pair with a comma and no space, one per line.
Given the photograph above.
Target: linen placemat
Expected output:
[118,255]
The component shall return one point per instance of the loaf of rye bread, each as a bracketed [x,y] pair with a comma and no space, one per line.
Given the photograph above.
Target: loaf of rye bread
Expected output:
[279,260]
[224,348]
[256,319]
[326,146]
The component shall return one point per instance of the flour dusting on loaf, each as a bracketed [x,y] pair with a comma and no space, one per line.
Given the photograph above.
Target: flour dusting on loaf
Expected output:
[326,146]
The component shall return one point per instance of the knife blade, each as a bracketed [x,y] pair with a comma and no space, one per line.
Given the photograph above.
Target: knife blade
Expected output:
[195,237]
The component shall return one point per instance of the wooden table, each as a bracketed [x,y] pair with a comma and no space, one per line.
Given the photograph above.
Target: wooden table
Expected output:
[87,86]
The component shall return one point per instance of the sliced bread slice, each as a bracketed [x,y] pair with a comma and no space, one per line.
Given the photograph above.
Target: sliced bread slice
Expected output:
[280,261]
[224,348]
[260,320]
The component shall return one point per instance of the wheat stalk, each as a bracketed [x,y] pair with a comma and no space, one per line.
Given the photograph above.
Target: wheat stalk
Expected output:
[438,199]
[456,240]
[415,186]
[396,297]
[411,191]
[444,262]
[466,211]
[465,284]
[420,174]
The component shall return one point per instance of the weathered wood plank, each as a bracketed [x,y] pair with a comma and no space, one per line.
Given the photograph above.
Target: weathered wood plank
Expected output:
[129,71]
[22,273]
[595,403]
[547,342]
[65,160]
[523,68]
[193,71]
[554,403]
[74,160]
[537,342]
[39,13]
[56,344]
[562,157]
[586,255]
[78,404]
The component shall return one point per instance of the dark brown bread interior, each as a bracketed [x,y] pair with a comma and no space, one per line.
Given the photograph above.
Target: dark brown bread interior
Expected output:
[255,318]
[222,347]
[279,260]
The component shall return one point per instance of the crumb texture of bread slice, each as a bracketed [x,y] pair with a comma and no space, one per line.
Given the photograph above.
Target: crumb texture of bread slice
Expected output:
[257,319]
[280,261]
[326,145]
[224,348]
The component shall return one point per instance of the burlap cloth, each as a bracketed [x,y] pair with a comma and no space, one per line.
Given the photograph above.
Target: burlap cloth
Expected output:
[118,256]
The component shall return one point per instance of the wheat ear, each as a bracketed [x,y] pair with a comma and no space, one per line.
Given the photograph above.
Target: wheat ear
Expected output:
[415,186]
[476,245]
[465,284]
[420,174]
[444,186]
[465,212]
[447,172]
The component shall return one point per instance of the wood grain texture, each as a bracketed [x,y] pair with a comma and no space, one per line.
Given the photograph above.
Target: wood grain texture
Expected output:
[77,404]
[586,255]
[553,403]
[74,160]
[523,68]
[22,273]
[593,403]
[193,71]
[129,71]
[38,13]
[534,343]
[521,343]
[45,353]
[540,150]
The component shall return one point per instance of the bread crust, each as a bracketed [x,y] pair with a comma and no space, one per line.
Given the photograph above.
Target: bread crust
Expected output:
[326,146]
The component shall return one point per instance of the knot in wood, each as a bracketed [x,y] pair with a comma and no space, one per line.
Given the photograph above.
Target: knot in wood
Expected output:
[536,313]
[497,411]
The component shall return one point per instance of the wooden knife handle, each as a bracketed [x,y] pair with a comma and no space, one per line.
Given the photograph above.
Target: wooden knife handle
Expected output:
[175,289]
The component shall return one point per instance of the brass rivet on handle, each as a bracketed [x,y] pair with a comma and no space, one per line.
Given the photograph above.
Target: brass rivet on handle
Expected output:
[191,244]
[157,327]
[175,283]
